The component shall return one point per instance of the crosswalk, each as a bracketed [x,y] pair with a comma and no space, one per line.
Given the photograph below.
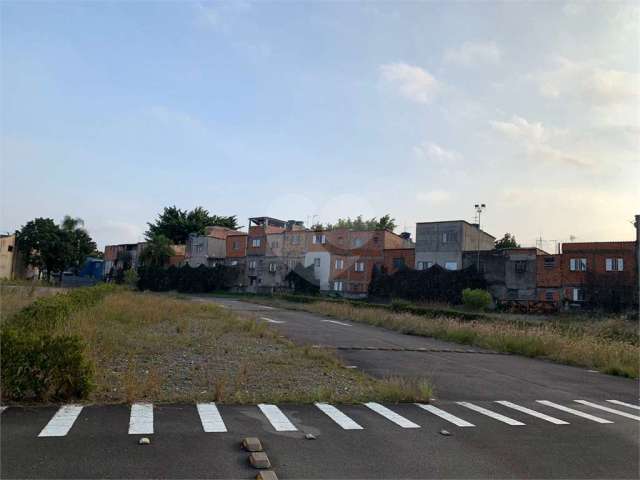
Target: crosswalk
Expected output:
[460,414]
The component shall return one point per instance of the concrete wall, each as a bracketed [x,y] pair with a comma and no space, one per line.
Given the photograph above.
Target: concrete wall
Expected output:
[7,252]
[442,243]
[321,273]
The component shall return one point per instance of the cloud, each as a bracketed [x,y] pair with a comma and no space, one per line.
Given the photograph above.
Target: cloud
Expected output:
[536,141]
[588,83]
[435,153]
[208,16]
[471,54]
[434,197]
[413,83]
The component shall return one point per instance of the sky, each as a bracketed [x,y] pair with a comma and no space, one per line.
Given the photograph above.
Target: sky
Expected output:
[111,111]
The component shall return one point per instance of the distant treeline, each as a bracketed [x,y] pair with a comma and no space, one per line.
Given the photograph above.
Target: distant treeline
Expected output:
[187,279]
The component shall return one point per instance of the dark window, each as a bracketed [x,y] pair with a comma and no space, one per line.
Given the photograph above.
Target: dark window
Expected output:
[398,262]
[549,262]
[10,248]
[512,293]
[521,266]
[548,295]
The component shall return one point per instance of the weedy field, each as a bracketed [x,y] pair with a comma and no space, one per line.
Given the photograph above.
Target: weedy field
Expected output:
[144,346]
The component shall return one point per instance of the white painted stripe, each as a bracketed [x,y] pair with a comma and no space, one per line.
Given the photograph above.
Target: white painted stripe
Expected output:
[266,306]
[338,417]
[610,410]
[211,418]
[141,420]
[573,411]
[61,422]
[617,402]
[533,413]
[271,320]
[278,419]
[2,409]
[337,323]
[391,415]
[489,413]
[447,416]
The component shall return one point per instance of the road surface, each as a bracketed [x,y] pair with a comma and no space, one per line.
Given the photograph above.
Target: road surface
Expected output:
[553,421]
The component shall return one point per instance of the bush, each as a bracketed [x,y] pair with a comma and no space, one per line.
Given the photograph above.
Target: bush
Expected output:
[36,363]
[476,298]
[43,367]
[131,278]
[187,279]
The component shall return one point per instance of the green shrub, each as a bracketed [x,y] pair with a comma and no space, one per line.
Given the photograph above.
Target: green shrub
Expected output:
[42,367]
[476,299]
[36,363]
[131,278]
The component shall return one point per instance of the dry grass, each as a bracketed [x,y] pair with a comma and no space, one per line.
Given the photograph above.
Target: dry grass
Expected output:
[597,345]
[163,349]
[14,298]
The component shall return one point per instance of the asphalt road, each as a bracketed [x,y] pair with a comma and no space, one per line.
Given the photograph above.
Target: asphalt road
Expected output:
[98,444]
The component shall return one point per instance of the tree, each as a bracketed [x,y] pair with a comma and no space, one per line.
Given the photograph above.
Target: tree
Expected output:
[156,252]
[80,244]
[508,241]
[43,245]
[177,224]
[360,224]
[387,223]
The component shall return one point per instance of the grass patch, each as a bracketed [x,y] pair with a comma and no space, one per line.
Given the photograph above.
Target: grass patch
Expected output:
[610,345]
[145,346]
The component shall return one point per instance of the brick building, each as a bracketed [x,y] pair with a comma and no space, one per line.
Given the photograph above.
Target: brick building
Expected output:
[398,258]
[590,273]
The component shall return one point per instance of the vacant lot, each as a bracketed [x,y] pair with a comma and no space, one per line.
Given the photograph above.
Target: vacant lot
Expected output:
[608,345]
[159,348]
[15,297]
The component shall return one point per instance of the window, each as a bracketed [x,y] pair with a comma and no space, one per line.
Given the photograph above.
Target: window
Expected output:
[424,265]
[355,287]
[252,265]
[359,266]
[10,248]
[614,264]
[292,264]
[295,240]
[451,265]
[578,295]
[340,240]
[235,245]
[357,242]
[339,264]
[337,286]
[319,238]
[548,295]
[273,267]
[448,237]
[398,262]
[316,262]
[578,264]
[375,240]
[255,242]
[549,262]
[521,266]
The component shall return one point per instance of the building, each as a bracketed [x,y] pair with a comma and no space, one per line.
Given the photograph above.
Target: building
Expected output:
[122,256]
[209,249]
[601,274]
[399,258]
[510,273]
[11,262]
[442,243]
[262,273]
[344,260]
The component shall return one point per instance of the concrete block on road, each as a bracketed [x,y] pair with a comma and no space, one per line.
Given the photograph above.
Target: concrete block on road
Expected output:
[252,444]
[259,460]
[267,475]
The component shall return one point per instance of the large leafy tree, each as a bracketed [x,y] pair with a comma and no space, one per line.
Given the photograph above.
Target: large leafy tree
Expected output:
[156,252]
[176,224]
[359,223]
[80,244]
[43,245]
[507,241]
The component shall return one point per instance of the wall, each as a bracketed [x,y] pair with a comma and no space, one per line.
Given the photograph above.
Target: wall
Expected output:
[7,255]
[321,273]
[408,255]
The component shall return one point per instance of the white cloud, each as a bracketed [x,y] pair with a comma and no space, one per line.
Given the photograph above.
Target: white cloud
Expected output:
[470,54]
[434,152]
[434,197]
[536,141]
[589,83]
[412,82]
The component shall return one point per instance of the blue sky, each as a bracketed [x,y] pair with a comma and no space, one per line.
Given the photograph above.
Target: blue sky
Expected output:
[111,111]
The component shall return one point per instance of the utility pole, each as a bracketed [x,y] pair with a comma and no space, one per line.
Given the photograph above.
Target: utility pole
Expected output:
[479,209]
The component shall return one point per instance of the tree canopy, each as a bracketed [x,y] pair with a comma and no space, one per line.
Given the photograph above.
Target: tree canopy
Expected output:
[385,222]
[176,224]
[156,252]
[54,248]
[507,241]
